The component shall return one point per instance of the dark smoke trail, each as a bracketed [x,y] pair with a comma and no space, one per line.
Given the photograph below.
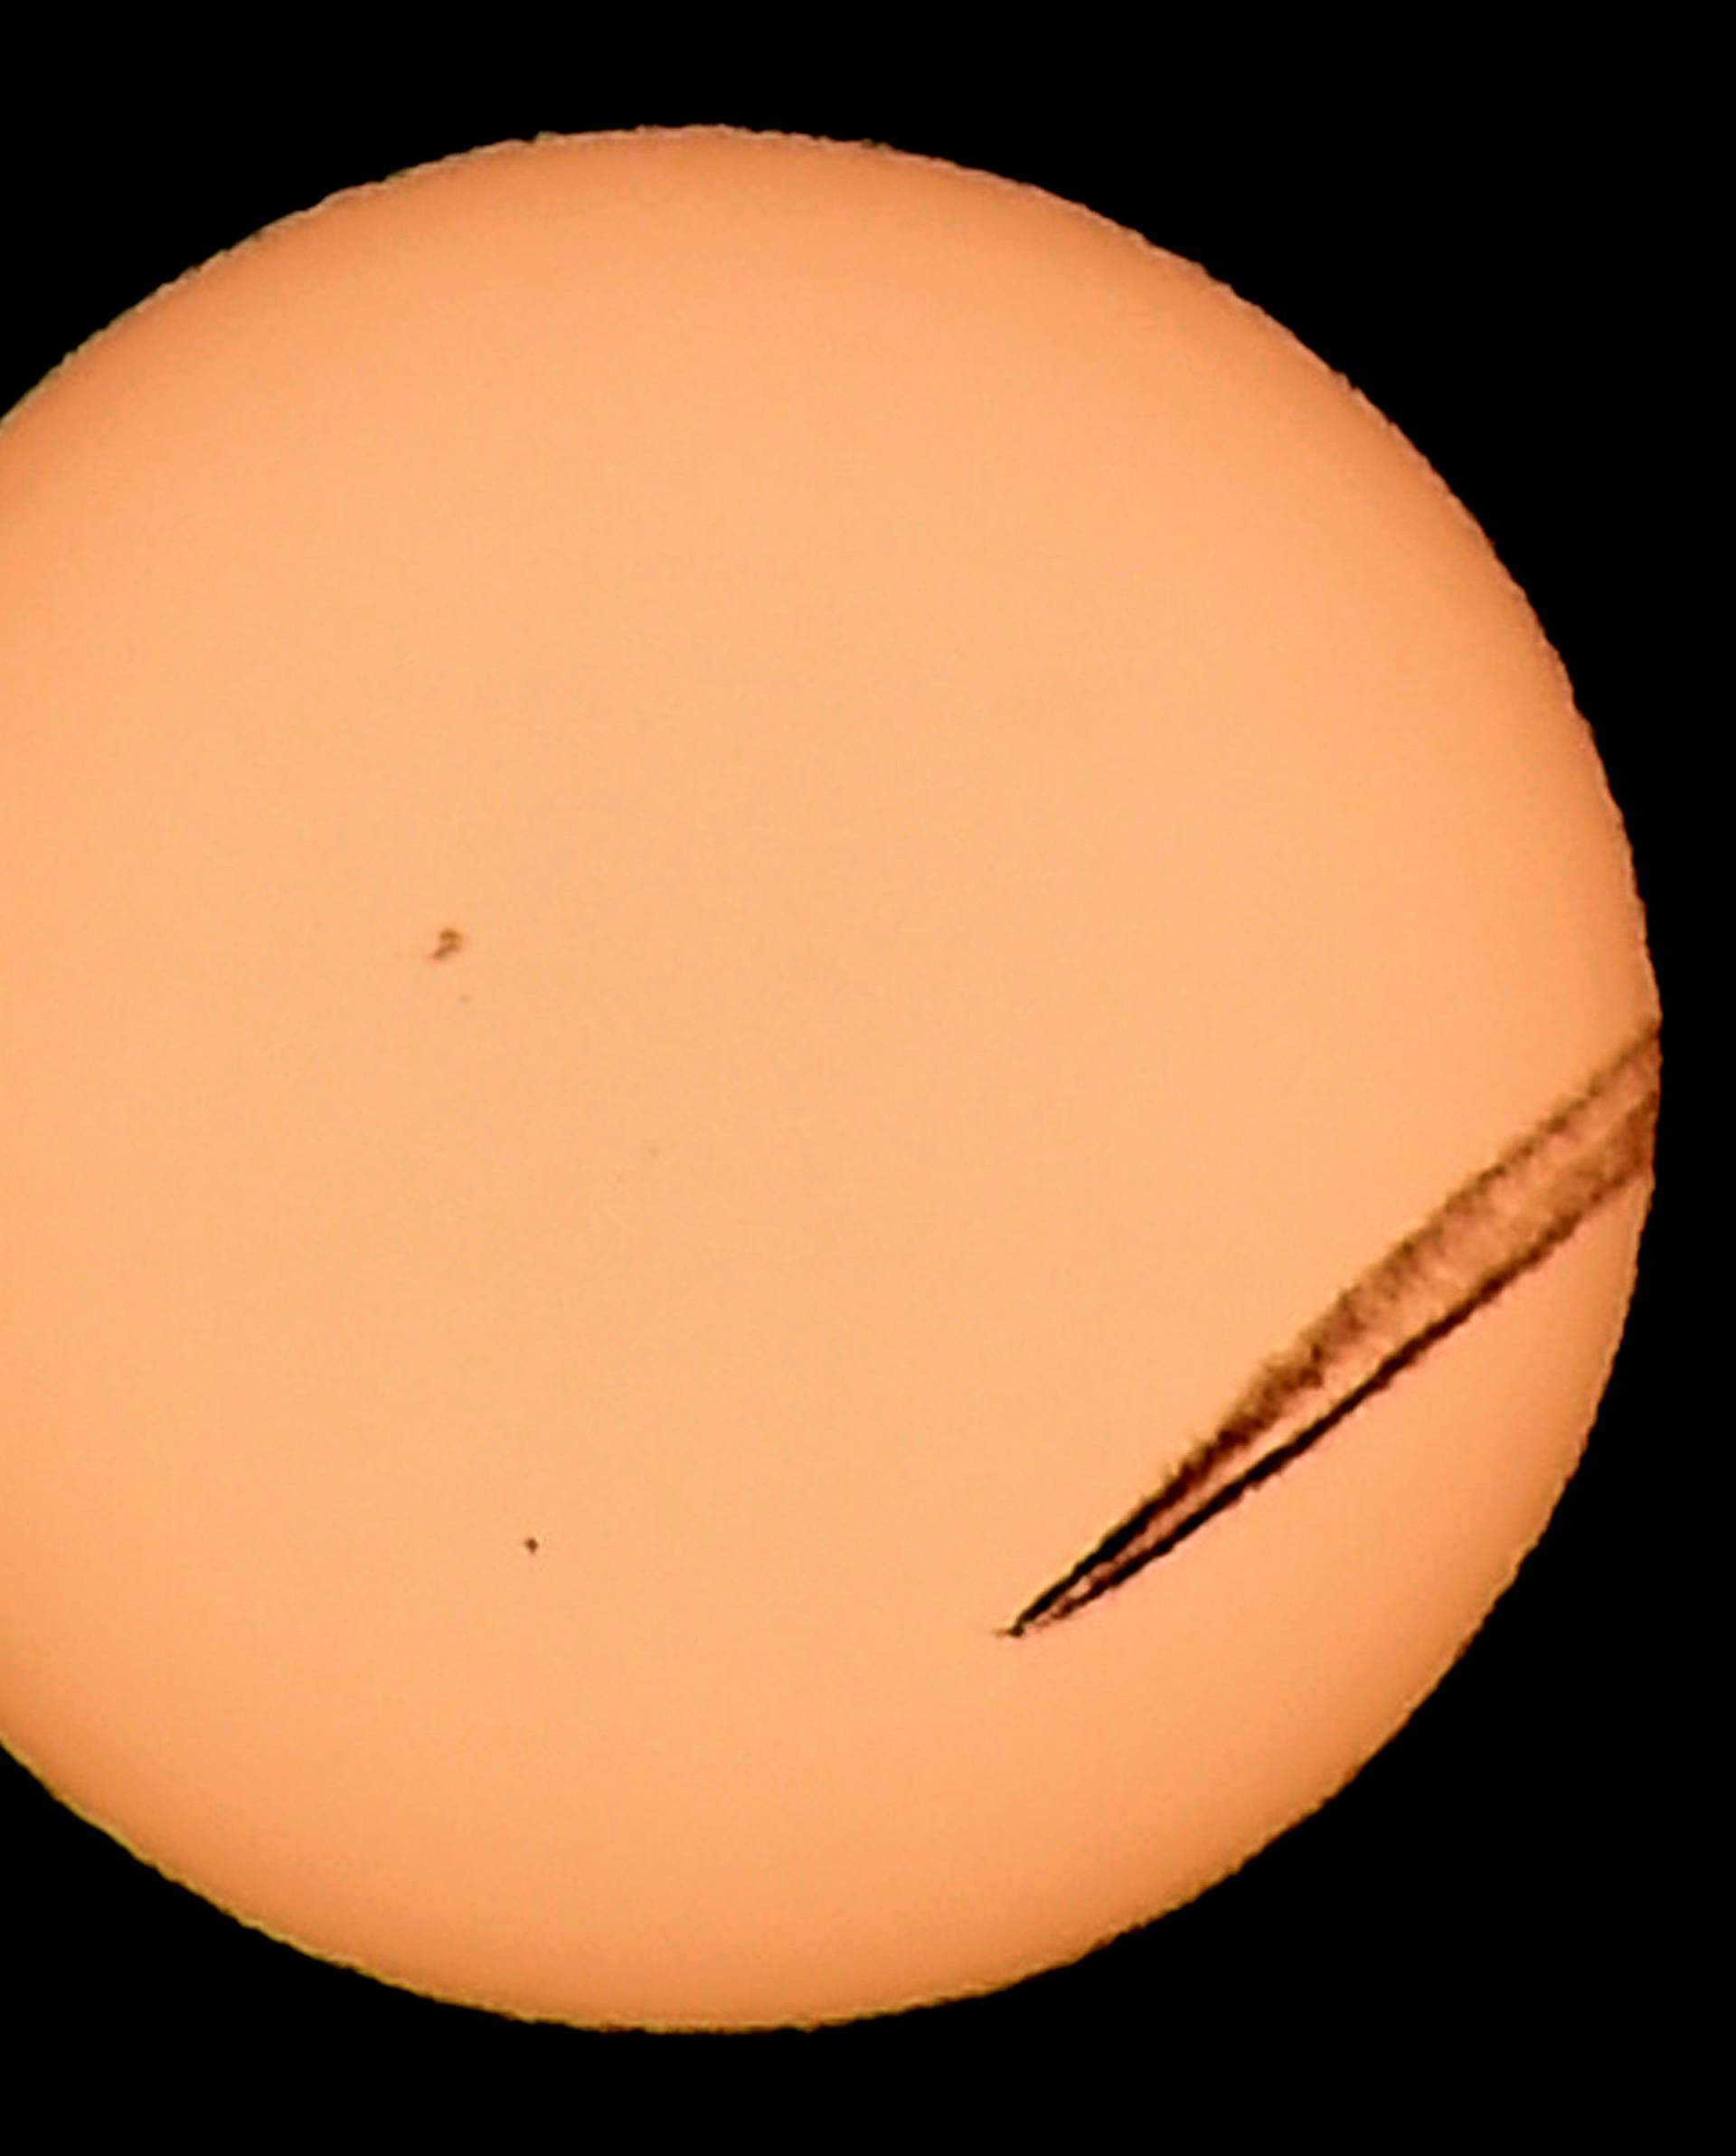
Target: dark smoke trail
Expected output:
[1488,1233]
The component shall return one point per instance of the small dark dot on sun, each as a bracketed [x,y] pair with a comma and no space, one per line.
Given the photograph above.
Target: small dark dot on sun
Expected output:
[448,944]
[531,1543]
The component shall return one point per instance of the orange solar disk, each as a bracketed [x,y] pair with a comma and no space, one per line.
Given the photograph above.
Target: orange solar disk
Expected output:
[829,1078]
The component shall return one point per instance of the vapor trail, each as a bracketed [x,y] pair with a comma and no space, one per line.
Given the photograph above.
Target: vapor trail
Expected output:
[1492,1230]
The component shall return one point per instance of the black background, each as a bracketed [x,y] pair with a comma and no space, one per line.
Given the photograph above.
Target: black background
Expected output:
[1486,268]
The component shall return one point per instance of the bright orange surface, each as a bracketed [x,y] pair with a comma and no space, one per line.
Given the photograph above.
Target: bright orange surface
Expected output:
[1008,838]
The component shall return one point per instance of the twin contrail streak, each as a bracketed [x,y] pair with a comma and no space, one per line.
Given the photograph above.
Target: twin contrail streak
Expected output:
[1489,1232]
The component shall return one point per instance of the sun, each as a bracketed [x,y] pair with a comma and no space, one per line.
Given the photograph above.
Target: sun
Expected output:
[742,872]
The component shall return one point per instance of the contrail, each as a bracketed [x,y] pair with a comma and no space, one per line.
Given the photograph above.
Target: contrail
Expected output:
[1492,1230]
